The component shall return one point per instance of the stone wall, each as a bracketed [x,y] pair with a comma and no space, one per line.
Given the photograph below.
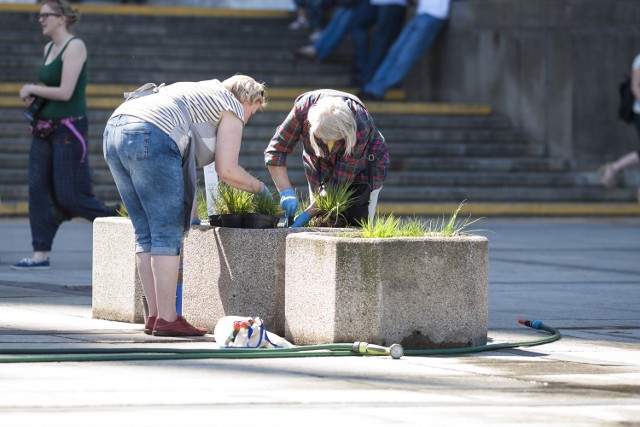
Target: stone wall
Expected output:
[551,66]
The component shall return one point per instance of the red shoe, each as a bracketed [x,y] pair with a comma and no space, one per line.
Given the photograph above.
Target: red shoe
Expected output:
[178,328]
[148,327]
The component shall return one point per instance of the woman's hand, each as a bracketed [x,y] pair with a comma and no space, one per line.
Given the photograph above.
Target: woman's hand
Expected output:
[26,93]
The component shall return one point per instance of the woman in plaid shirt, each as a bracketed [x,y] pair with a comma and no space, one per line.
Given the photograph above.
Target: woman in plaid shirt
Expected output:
[339,138]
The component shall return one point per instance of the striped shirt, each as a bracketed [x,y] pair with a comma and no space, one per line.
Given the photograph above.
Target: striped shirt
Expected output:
[205,101]
[335,166]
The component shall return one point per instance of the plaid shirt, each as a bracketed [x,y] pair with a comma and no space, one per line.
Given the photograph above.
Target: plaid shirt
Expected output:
[335,167]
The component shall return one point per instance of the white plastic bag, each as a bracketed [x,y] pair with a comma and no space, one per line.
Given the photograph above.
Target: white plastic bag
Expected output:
[248,332]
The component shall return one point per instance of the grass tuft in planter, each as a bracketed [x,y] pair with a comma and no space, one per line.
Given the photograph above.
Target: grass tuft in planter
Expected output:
[231,200]
[265,212]
[241,209]
[201,204]
[122,211]
[231,204]
[266,204]
[332,202]
[391,226]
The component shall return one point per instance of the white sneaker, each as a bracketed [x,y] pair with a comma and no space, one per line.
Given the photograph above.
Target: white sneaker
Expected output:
[299,24]
[313,37]
[307,52]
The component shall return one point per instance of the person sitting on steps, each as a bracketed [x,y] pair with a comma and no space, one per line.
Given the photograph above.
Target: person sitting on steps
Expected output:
[414,39]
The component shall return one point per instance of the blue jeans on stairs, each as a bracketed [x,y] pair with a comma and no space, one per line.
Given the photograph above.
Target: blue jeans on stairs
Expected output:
[413,41]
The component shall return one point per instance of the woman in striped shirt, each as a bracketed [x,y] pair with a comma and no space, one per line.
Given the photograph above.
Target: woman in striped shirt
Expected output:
[152,145]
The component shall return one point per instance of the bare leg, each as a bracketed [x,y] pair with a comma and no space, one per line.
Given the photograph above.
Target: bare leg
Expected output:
[143,261]
[40,256]
[626,161]
[165,275]
[608,171]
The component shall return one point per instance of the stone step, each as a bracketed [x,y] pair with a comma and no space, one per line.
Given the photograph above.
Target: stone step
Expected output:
[421,108]
[114,92]
[15,151]
[216,47]
[17,174]
[403,142]
[424,194]
[441,152]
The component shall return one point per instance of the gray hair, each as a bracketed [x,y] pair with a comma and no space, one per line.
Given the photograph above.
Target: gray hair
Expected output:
[246,88]
[332,119]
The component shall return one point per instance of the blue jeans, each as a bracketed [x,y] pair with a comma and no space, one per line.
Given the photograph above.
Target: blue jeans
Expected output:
[339,26]
[388,22]
[413,41]
[315,11]
[60,186]
[146,165]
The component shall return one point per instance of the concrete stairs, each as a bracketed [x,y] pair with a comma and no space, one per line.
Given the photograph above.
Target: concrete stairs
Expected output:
[441,154]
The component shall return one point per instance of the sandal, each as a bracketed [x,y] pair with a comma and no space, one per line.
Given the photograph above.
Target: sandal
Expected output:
[607,175]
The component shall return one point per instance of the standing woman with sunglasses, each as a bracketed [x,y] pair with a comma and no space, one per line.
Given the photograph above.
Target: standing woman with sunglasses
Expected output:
[60,185]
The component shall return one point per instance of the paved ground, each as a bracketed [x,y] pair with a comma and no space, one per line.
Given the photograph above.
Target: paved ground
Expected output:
[581,276]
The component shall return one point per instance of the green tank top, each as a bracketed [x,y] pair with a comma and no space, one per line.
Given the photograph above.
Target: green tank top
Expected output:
[51,75]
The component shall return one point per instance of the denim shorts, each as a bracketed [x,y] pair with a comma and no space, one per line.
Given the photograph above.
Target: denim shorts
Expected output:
[146,165]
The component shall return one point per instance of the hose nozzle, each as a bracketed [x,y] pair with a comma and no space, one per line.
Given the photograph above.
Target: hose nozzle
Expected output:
[395,351]
[536,324]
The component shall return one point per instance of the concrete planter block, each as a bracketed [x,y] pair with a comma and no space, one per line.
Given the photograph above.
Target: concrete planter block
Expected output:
[116,289]
[234,272]
[428,292]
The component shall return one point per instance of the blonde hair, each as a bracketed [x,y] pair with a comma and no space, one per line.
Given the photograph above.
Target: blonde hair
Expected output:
[246,89]
[64,8]
[332,119]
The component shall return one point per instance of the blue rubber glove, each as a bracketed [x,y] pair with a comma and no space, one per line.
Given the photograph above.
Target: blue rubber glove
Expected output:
[301,220]
[289,202]
[196,222]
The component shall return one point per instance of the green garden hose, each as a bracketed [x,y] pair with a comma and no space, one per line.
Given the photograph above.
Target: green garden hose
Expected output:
[347,349]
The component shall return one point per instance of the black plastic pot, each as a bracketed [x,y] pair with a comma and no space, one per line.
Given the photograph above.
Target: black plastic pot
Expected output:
[215,221]
[232,220]
[256,220]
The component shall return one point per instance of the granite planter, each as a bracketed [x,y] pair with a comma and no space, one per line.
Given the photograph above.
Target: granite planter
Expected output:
[235,272]
[426,292]
[116,288]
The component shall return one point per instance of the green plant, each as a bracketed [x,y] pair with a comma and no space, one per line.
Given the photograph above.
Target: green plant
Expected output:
[122,211]
[266,204]
[391,226]
[201,203]
[453,227]
[381,226]
[332,202]
[414,227]
[232,200]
